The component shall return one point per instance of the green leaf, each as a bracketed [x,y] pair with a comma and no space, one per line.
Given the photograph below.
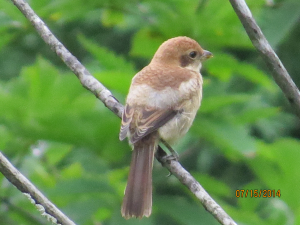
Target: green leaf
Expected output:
[5,39]
[6,137]
[245,199]
[182,211]
[220,34]
[115,80]
[276,165]
[253,115]
[145,43]
[90,162]
[82,210]
[56,152]
[231,138]
[112,17]
[38,172]
[108,59]
[73,171]
[225,67]
[279,20]
[102,214]
[213,186]
[214,103]
[42,105]
[12,14]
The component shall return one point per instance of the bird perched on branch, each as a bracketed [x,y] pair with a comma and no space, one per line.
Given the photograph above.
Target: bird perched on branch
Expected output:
[162,103]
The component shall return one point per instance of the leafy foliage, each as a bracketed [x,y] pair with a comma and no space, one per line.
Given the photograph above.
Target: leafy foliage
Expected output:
[66,142]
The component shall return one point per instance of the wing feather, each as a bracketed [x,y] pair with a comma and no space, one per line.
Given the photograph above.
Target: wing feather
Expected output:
[150,120]
[126,120]
[141,121]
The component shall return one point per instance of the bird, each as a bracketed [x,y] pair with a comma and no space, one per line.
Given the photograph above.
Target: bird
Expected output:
[161,105]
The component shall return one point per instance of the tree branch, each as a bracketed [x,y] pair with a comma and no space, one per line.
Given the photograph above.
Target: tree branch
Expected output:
[102,93]
[195,187]
[278,71]
[22,212]
[47,208]
[86,79]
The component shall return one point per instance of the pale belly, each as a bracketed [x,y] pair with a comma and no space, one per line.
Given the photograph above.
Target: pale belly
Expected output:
[177,127]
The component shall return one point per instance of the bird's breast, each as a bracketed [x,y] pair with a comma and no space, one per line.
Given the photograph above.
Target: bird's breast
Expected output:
[178,126]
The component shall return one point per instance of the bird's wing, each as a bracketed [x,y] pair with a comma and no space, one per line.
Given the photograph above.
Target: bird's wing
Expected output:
[141,121]
[126,120]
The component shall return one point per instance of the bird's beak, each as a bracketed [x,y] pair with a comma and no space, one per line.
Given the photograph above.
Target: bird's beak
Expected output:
[206,55]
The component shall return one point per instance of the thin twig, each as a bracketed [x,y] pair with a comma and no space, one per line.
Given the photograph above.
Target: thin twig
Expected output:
[47,208]
[93,85]
[195,187]
[279,73]
[85,77]
[20,211]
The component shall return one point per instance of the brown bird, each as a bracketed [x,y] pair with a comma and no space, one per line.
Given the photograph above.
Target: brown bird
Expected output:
[162,103]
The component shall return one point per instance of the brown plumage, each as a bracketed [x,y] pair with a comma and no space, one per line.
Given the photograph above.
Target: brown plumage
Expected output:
[161,104]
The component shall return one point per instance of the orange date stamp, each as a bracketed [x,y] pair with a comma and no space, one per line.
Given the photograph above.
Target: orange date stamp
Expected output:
[257,193]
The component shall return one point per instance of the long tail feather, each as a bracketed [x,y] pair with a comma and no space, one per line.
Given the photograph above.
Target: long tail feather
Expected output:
[138,194]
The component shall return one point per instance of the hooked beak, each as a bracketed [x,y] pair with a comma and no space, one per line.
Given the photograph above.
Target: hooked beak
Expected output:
[206,55]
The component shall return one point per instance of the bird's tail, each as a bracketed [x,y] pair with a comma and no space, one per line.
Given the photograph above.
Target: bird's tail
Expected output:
[138,194]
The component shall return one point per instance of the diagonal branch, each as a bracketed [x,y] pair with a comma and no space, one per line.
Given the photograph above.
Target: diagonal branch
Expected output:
[278,71]
[85,77]
[21,211]
[195,187]
[102,93]
[47,208]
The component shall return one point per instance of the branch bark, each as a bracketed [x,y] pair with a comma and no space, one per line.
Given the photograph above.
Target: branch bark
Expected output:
[85,77]
[47,208]
[195,187]
[102,93]
[278,71]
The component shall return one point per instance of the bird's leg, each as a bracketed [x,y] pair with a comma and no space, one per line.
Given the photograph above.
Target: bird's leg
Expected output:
[174,155]
[162,156]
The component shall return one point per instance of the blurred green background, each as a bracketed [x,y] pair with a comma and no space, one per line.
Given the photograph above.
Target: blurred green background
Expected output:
[66,142]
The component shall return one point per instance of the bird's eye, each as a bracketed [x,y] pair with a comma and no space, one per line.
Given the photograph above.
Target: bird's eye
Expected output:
[193,54]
